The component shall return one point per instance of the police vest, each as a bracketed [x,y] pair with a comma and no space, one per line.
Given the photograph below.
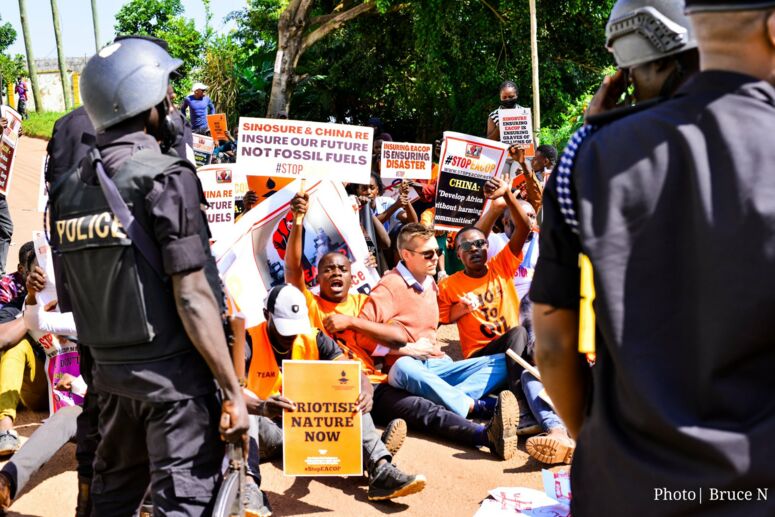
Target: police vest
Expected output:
[264,376]
[123,311]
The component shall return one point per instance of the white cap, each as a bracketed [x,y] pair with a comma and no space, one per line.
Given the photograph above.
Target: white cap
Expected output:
[199,86]
[288,308]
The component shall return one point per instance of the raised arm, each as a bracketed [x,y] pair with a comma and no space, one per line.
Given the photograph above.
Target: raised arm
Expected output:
[294,272]
[495,188]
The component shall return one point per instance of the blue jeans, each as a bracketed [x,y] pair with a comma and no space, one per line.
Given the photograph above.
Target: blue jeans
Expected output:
[541,410]
[453,384]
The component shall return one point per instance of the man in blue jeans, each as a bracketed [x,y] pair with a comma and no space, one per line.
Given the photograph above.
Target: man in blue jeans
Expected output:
[200,106]
[554,445]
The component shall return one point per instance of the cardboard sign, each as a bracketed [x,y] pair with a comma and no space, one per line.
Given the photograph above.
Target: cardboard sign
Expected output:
[267,186]
[204,146]
[406,161]
[203,149]
[218,126]
[516,127]
[467,162]
[218,183]
[251,255]
[8,142]
[323,436]
[313,150]
[61,358]
[43,256]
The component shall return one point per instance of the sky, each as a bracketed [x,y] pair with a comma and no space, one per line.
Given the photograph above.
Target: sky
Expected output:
[77,28]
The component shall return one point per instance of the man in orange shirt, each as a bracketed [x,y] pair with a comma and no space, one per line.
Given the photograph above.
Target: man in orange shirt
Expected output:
[482,299]
[334,280]
[286,334]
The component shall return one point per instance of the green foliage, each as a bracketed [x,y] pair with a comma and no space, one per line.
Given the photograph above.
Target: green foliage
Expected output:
[146,16]
[41,125]
[7,35]
[425,66]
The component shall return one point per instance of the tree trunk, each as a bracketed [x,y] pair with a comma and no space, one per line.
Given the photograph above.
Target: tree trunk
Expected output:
[61,56]
[95,21]
[289,42]
[534,59]
[292,42]
[30,57]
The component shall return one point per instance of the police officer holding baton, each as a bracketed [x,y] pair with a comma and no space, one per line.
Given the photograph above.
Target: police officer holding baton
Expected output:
[137,273]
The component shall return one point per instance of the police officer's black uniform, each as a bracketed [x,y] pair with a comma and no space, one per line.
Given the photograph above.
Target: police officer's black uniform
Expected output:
[674,206]
[158,405]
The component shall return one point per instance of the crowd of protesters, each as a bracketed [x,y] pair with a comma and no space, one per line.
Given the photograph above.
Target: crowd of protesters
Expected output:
[478,279]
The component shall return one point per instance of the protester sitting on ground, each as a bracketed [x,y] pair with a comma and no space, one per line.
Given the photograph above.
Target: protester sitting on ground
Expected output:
[22,375]
[508,100]
[61,427]
[400,319]
[226,150]
[287,334]
[200,106]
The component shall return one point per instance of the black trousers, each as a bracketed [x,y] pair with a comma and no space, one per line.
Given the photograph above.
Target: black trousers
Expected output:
[173,445]
[516,340]
[6,231]
[87,435]
[421,414]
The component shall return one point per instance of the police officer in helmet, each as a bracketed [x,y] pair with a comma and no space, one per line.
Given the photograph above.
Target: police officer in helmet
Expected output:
[670,210]
[655,50]
[137,273]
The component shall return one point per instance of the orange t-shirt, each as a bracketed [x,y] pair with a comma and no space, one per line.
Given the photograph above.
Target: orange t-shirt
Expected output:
[319,308]
[498,309]
[264,376]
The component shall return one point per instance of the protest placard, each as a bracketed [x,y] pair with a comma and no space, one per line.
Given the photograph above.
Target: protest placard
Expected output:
[467,162]
[516,127]
[312,150]
[43,256]
[323,436]
[203,149]
[251,256]
[393,189]
[267,186]
[218,126]
[406,161]
[219,184]
[8,143]
[62,358]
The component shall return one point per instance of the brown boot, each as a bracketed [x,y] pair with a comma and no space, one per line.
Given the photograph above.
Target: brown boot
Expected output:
[83,509]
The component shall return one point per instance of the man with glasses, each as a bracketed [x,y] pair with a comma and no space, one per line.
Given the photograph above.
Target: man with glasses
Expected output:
[407,297]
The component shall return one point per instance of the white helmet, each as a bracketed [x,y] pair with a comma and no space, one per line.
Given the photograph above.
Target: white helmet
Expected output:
[640,31]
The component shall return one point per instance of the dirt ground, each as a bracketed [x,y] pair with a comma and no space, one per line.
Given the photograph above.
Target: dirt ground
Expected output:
[458,477]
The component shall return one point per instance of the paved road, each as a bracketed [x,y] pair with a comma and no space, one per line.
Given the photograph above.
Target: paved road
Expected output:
[458,478]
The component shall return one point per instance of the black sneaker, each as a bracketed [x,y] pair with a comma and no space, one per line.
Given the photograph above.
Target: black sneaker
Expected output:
[387,482]
[394,435]
[502,429]
[254,501]
[9,443]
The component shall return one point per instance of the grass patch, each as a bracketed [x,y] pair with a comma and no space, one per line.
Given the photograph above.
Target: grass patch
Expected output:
[40,125]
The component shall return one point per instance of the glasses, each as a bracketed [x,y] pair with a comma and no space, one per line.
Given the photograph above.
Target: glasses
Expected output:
[428,255]
[479,243]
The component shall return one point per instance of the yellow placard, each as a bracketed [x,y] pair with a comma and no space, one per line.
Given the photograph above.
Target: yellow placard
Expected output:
[323,436]
[218,126]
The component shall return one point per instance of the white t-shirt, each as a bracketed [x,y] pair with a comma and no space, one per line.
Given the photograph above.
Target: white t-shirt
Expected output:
[526,270]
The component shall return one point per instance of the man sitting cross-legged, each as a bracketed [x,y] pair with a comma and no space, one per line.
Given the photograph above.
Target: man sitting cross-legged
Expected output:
[286,334]
[336,311]
[482,299]
[399,321]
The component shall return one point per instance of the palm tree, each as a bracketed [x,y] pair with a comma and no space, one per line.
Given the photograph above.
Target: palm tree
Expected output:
[95,20]
[61,56]
[30,57]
